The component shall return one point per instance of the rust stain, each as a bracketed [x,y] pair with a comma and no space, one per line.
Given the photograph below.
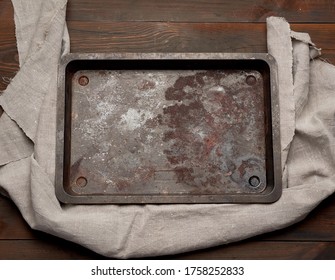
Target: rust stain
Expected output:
[83,81]
[122,184]
[192,125]
[198,122]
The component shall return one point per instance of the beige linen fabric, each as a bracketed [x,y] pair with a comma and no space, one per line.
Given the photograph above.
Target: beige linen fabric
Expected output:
[27,151]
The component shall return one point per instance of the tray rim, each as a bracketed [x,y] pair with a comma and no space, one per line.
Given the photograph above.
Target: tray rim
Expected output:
[270,197]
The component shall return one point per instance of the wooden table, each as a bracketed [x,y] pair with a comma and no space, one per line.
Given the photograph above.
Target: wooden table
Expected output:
[178,26]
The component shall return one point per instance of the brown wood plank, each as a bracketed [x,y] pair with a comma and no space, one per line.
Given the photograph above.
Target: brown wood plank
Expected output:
[201,11]
[165,37]
[186,37]
[9,63]
[44,248]
[7,27]
[12,225]
[262,250]
[54,248]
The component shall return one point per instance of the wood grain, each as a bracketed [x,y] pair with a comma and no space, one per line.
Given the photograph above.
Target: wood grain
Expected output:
[12,225]
[186,37]
[44,248]
[165,37]
[54,248]
[9,63]
[200,10]
[178,37]
[262,250]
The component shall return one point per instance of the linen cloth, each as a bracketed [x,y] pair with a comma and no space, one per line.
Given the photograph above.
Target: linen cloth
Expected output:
[27,150]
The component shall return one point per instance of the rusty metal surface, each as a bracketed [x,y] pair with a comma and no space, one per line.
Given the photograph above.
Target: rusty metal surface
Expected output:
[167,129]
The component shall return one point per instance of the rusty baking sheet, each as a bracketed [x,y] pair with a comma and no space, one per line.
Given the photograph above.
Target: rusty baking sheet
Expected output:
[168,128]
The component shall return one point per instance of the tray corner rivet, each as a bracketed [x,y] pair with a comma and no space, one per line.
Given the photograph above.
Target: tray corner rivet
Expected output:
[81,182]
[251,80]
[83,80]
[254,181]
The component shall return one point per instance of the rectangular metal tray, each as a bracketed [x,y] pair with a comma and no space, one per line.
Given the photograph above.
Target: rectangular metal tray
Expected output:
[168,128]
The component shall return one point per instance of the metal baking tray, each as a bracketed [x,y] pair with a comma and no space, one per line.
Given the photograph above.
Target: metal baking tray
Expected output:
[168,128]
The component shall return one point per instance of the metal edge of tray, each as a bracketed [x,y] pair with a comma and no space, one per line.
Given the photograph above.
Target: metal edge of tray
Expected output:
[273,195]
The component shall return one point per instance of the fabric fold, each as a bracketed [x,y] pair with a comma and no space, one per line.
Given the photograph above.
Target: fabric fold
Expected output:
[39,52]
[280,47]
[14,145]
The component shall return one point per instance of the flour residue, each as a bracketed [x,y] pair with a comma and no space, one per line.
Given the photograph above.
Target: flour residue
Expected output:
[134,118]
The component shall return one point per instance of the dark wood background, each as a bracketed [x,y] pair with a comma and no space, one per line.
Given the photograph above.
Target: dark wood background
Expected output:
[178,26]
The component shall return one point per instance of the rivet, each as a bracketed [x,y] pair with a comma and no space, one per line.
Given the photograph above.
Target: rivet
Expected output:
[81,182]
[254,181]
[83,81]
[251,80]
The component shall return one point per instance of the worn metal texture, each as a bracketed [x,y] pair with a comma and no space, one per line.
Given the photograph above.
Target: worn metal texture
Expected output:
[167,128]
